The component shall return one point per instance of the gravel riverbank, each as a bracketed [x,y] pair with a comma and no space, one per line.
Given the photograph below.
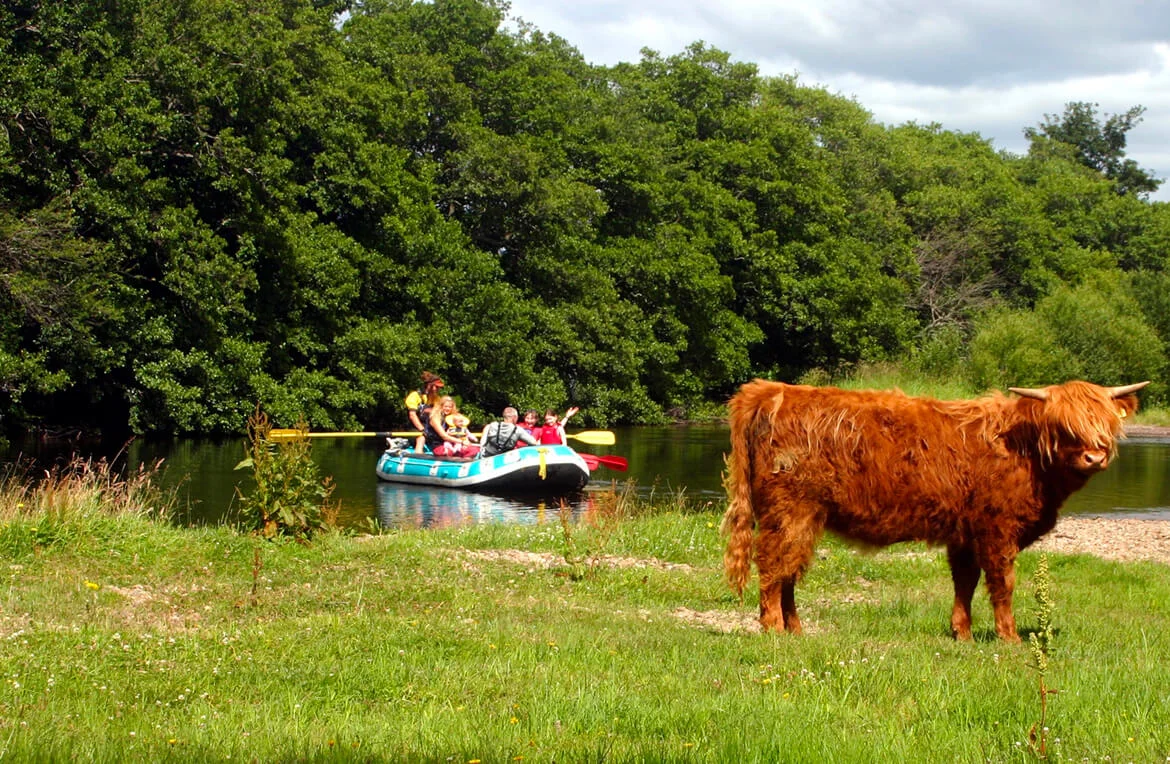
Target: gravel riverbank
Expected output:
[1112,539]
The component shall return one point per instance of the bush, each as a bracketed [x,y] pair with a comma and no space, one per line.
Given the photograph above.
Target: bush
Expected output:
[941,353]
[1102,324]
[1017,348]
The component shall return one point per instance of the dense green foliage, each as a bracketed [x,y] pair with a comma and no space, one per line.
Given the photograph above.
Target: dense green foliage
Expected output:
[205,206]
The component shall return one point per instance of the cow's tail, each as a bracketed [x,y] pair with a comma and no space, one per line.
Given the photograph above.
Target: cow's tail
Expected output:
[739,520]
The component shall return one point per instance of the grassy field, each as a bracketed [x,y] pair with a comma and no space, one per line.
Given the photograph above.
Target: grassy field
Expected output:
[615,638]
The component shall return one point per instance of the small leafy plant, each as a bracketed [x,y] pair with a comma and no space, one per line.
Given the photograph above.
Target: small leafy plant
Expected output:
[289,497]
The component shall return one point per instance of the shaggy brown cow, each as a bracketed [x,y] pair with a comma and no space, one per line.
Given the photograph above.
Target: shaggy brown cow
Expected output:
[983,477]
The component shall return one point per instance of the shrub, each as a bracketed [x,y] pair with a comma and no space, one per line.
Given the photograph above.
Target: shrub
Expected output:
[1101,323]
[1017,348]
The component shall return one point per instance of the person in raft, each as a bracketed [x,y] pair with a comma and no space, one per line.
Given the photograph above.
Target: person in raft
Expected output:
[505,435]
[419,404]
[439,440]
[457,427]
[552,433]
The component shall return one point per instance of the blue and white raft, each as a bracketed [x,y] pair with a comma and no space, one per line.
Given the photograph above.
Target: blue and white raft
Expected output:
[545,470]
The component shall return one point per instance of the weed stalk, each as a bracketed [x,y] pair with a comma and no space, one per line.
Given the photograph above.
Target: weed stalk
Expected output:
[1040,642]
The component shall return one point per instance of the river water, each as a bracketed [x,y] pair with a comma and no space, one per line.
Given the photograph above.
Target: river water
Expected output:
[684,460]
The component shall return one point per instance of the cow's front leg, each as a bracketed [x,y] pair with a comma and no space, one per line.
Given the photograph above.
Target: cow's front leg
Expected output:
[965,575]
[1001,582]
[788,606]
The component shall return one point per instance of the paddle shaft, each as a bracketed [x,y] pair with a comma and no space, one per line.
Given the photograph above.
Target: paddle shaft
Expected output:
[592,437]
[277,434]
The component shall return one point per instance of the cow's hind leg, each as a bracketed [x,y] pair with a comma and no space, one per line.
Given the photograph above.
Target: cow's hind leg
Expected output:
[782,557]
[965,574]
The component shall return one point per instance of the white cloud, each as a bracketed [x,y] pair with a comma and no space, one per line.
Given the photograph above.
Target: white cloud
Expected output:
[993,67]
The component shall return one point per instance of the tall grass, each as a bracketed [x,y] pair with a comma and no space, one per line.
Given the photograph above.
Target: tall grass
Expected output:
[890,376]
[894,376]
[78,500]
[82,488]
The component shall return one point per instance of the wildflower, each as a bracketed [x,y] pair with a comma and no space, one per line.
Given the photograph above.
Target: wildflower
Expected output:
[92,585]
[514,720]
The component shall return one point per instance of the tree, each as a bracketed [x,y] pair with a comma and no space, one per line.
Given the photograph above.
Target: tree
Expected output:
[1094,144]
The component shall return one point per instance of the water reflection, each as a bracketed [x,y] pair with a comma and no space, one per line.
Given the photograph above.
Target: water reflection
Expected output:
[1135,485]
[407,506]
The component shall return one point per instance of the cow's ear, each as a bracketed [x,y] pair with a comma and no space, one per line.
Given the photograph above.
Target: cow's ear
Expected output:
[1126,405]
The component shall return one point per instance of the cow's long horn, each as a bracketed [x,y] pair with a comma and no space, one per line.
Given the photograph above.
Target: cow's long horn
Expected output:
[1117,392]
[1039,394]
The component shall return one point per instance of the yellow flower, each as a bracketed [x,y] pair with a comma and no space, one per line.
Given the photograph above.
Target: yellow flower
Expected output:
[92,585]
[514,720]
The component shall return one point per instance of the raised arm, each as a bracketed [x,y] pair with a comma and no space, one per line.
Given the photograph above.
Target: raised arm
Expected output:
[572,410]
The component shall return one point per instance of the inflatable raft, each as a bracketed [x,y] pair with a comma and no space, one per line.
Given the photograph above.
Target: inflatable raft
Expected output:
[545,470]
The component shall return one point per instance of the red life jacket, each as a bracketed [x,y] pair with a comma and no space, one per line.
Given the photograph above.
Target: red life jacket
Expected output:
[549,435]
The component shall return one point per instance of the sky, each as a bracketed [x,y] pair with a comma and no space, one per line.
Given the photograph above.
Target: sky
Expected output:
[991,67]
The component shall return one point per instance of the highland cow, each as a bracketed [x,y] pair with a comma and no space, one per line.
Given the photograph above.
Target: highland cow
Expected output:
[985,478]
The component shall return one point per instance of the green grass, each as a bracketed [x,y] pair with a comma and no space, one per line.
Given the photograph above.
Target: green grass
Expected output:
[462,645]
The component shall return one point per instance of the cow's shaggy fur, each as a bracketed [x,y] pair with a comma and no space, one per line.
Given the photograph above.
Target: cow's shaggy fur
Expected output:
[985,478]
